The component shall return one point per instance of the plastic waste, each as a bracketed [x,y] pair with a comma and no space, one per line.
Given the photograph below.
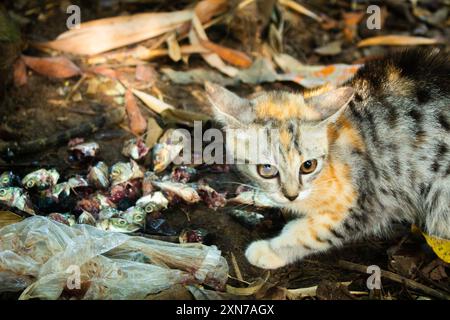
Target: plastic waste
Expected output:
[84,262]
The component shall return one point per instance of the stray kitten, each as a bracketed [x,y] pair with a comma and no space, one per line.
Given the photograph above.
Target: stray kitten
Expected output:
[353,160]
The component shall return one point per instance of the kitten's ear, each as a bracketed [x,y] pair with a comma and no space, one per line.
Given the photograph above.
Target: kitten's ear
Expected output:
[332,103]
[228,108]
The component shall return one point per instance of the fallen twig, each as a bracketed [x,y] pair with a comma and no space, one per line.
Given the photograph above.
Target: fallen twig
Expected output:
[396,278]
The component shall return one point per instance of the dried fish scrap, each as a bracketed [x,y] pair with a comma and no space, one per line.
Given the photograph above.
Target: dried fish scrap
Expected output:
[147,186]
[193,235]
[64,188]
[181,190]
[98,175]
[117,225]
[15,197]
[183,174]
[153,202]
[77,182]
[135,149]
[108,212]
[167,150]
[135,215]
[210,197]
[41,179]
[125,171]
[86,218]
[252,197]
[8,179]
[247,218]
[94,204]
[85,150]
[125,194]
[65,218]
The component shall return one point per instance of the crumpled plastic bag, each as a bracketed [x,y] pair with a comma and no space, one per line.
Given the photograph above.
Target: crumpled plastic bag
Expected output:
[87,263]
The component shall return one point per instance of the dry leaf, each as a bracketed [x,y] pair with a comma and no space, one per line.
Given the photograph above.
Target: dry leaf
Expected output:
[8,217]
[102,35]
[234,57]
[300,9]
[205,10]
[351,20]
[197,75]
[330,49]
[296,294]
[440,246]
[185,117]
[174,47]
[329,23]
[394,40]
[53,67]
[146,73]
[197,34]
[134,55]
[20,73]
[104,71]
[154,131]
[137,122]
[316,75]
[152,102]
[436,18]
[253,288]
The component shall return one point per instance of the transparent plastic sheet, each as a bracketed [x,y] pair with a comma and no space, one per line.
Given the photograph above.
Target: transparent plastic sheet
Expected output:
[110,265]
[12,282]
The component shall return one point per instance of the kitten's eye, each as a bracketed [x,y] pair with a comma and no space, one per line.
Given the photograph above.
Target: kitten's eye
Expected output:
[308,166]
[267,171]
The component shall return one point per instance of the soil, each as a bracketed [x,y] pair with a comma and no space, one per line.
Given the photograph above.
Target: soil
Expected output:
[29,114]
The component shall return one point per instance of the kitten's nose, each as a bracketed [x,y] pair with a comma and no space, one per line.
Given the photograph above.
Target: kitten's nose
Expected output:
[291,197]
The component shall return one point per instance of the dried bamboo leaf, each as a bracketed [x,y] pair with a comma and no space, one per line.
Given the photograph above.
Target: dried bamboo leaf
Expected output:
[152,102]
[8,217]
[197,34]
[137,122]
[53,67]
[251,289]
[300,9]
[173,47]
[234,57]
[102,35]
[397,40]
[154,131]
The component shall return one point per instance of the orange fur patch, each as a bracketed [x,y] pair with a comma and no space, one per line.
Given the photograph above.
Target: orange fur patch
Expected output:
[397,83]
[283,107]
[333,201]
[345,130]
[285,138]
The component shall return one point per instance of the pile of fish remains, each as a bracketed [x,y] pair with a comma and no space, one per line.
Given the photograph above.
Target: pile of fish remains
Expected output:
[124,197]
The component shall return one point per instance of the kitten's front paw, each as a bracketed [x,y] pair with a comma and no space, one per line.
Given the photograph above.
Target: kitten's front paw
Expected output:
[260,254]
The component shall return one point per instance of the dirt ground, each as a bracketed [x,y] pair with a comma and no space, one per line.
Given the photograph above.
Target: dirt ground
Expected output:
[29,114]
